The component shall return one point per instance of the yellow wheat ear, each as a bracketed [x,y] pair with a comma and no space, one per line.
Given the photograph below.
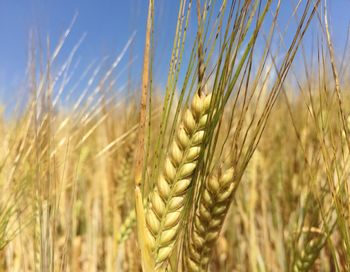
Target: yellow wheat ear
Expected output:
[167,199]
[210,214]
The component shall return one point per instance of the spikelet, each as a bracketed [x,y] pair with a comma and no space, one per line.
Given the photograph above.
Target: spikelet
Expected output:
[167,199]
[208,219]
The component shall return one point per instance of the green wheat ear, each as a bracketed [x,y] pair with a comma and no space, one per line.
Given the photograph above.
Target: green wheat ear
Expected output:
[308,255]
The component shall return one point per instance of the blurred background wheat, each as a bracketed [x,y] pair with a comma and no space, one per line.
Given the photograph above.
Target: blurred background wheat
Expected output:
[236,158]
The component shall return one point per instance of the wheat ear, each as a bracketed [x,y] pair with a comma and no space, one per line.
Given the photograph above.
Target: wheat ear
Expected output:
[308,255]
[123,181]
[208,219]
[167,199]
[126,228]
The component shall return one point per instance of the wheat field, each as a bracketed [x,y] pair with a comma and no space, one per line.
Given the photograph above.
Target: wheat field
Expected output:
[241,163]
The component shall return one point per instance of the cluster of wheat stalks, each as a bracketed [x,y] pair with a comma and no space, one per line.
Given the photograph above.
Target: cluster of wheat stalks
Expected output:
[236,171]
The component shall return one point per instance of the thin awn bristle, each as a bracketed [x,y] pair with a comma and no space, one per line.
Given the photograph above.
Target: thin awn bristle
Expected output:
[167,199]
[208,219]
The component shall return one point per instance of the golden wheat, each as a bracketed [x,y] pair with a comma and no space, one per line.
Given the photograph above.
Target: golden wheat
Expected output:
[208,219]
[168,197]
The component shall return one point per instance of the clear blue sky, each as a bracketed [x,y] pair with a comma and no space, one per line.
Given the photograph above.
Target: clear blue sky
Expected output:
[108,24]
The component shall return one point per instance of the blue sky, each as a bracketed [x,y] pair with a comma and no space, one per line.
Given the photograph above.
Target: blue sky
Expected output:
[108,25]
